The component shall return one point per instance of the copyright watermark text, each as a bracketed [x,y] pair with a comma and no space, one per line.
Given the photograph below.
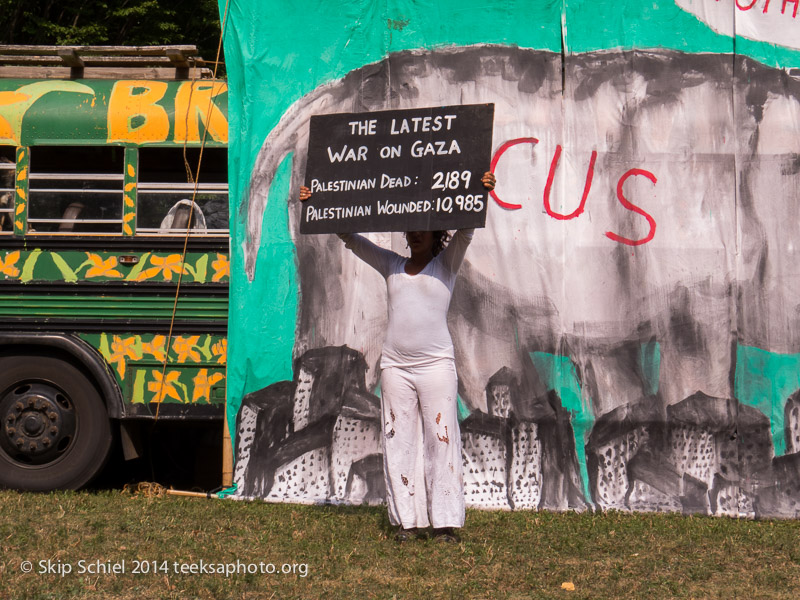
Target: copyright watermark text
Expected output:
[160,567]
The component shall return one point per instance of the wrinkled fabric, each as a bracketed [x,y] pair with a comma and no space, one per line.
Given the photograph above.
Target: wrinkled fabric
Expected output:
[422,446]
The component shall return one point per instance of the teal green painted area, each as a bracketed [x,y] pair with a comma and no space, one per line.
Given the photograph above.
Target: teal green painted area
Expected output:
[558,374]
[765,380]
[774,56]
[650,363]
[627,24]
[262,325]
[463,411]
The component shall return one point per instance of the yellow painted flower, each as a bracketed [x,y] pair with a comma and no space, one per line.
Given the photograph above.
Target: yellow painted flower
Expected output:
[164,387]
[221,266]
[165,264]
[126,220]
[186,348]
[7,264]
[120,350]
[156,347]
[203,383]
[102,267]
[220,350]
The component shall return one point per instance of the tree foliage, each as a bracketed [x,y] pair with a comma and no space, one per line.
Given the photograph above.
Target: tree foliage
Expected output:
[112,23]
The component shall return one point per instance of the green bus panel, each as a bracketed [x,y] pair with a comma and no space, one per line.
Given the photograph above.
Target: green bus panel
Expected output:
[195,372]
[93,112]
[37,265]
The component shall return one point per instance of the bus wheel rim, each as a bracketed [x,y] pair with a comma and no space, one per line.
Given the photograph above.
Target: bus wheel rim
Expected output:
[38,423]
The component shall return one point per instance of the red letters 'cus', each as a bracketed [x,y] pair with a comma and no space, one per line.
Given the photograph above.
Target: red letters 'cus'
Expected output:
[650,220]
[549,185]
[496,158]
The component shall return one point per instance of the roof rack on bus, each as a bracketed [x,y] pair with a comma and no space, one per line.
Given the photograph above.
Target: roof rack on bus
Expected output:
[103,62]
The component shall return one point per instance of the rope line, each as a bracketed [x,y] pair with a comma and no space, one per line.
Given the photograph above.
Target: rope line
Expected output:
[196,181]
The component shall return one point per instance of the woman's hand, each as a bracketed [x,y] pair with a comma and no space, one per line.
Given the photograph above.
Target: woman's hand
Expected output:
[305,193]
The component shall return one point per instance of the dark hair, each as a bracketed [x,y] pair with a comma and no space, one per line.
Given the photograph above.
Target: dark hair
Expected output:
[440,239]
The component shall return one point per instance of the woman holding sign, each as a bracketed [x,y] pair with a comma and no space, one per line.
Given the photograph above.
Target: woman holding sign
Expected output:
[419,388]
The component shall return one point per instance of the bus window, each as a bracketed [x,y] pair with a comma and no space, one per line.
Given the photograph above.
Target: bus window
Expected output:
[164,194]
[7,170]
[75,189]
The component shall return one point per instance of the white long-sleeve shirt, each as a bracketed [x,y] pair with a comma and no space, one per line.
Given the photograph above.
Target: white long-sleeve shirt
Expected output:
[418,304]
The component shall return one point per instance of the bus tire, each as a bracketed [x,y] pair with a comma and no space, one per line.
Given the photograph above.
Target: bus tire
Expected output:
[54,427]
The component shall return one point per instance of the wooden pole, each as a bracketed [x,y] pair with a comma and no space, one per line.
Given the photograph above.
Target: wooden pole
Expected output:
[190,494]
[227,454]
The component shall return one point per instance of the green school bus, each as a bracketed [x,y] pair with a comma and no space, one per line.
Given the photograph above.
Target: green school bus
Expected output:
[113,267]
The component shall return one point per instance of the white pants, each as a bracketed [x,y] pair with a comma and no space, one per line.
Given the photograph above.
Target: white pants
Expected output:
[422,445]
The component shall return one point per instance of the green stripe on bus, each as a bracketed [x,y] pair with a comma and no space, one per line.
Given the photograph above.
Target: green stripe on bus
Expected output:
[112,307]
[130,182]
[21,191]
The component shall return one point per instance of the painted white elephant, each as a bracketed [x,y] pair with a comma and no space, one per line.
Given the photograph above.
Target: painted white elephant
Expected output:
[682,238]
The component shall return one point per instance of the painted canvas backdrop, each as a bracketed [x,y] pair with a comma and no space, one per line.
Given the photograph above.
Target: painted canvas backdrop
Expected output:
[626,326]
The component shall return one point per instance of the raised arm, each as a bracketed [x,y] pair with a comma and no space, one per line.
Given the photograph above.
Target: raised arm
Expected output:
[453,255]
[376,257]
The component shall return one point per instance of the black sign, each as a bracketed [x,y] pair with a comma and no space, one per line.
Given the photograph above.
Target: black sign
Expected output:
[398,170]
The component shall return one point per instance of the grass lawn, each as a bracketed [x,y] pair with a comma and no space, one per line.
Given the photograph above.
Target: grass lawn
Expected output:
[348,552]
